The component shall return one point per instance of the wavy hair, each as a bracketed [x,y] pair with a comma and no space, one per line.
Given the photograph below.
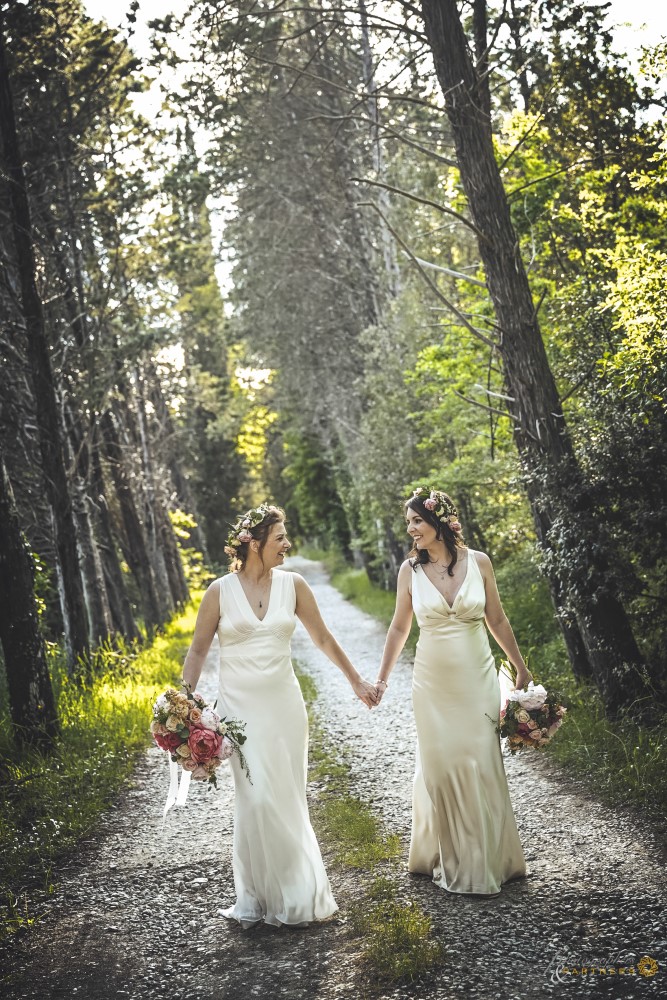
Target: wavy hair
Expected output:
[260,533]
[453,539]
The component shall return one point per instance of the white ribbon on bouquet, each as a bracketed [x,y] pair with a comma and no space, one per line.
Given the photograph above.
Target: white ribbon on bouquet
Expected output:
[177,794]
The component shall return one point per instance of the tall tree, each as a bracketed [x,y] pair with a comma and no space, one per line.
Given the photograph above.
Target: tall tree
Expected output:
[31,701]
[50,436]
[578,572]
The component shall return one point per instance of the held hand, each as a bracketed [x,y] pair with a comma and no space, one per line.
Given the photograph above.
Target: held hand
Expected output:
[523,678]
[365,692]
[380,688]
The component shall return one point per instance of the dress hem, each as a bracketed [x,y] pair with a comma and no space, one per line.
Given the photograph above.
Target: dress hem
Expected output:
[250,921]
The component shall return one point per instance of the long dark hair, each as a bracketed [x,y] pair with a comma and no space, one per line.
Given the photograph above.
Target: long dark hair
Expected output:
[260,533]
[453,539]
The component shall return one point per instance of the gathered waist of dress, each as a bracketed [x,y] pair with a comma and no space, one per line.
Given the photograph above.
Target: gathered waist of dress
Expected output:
[244,652]
[451,622]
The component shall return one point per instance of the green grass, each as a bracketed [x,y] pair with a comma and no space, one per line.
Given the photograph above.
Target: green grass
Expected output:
[398,942]
[395,937]
[624,762]
[48,803]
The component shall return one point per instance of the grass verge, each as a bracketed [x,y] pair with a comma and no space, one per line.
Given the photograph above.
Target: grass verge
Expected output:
[625,763]
[396,938]
[48,803]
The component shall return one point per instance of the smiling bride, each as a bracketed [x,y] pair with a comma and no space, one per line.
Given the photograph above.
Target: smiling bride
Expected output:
[463,830]
[279,875]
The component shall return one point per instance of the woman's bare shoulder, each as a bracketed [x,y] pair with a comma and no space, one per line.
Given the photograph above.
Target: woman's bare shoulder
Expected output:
[482,560]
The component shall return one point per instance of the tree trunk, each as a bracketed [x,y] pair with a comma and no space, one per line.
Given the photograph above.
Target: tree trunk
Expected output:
[94,586]
[152,513]
[51,445]
[122,616]
[172,557]
[31,702]
[181,485]
[135,549]
[556,488]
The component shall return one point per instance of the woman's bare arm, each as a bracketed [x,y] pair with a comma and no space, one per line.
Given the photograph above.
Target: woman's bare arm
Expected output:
[498,623]
[208,617]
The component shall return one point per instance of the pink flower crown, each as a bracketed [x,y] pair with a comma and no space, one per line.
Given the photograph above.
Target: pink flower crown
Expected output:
[241,531]
[438,503]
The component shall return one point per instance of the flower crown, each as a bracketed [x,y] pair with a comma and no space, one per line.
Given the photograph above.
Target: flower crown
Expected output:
[439,504]
[241,530]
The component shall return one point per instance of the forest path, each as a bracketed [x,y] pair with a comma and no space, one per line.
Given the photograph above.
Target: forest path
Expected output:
[135,912]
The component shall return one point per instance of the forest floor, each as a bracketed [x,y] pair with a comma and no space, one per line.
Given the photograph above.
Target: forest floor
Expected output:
[135,913]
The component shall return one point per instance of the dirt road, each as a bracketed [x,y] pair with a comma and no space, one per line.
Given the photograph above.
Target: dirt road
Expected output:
[135,914]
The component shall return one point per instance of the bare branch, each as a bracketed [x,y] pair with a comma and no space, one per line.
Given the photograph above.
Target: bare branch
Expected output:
[452,274]
[489,392]
[423,201]
[483,406]
[434,288]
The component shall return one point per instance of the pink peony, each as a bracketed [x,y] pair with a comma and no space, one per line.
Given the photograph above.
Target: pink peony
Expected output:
[226,749]
[430,504]
[455,525]
[168,741]
[204,743]
[245,536]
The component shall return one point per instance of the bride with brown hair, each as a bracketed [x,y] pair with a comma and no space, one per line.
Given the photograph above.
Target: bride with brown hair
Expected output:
[463,830]
[279,875]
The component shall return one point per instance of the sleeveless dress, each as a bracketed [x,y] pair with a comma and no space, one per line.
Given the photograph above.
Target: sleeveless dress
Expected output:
[279,875]
[463,830]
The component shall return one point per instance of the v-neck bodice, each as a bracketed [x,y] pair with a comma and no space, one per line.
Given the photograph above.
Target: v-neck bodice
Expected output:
[463,583]
[236,577]
[432,608]
[239,626]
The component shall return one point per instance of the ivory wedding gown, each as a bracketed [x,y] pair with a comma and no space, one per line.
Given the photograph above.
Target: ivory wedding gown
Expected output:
[279,875]
[463,830]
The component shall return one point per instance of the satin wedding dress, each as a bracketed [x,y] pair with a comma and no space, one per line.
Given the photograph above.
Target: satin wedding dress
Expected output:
[279,875]
[463,830]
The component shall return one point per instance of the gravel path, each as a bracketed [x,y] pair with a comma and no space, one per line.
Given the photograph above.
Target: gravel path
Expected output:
[135,915]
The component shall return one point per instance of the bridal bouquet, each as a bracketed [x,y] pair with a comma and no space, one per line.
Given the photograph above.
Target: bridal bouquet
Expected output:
[530,718]
[194,735]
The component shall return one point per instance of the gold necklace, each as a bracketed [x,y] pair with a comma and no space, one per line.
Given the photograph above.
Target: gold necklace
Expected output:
[442,574]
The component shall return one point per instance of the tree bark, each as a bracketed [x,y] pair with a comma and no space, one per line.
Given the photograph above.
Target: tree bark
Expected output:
[121,610]
[51,445]
[152,512]
[135,549]
[181,485]
[556,487]
[31,701]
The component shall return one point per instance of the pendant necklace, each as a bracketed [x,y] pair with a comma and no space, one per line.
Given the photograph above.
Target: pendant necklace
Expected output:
[442,574]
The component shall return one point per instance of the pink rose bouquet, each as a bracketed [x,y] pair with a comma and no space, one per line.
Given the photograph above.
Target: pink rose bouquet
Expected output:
[194,735]
[531,717]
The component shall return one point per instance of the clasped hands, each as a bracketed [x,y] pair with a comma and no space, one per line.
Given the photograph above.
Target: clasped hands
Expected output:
[370,694]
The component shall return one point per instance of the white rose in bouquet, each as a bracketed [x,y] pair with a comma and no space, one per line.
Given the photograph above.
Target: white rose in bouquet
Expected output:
[209,719]
[534,697]
[162,704]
